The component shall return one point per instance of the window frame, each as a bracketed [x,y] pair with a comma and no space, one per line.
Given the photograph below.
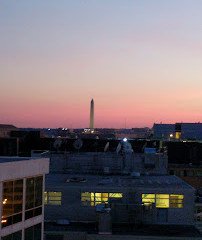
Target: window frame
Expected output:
[174,200]
[95,198]
[51,200]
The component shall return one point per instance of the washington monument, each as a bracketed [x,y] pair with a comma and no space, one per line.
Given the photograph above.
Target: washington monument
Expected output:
[92,115]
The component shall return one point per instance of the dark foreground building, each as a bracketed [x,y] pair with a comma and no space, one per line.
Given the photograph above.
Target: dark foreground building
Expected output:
[22,182]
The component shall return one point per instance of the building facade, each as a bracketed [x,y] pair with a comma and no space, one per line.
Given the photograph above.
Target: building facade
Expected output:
[22,182]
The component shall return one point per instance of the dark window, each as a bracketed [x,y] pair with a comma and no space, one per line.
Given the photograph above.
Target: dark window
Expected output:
[54,237]
[34,191]
[13,236]
[33,233]
[18,196]
[29,193]
[190,173]
[38,191]
[33,213]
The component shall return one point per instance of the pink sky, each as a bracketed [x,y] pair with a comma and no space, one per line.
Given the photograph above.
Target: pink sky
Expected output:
[140,63]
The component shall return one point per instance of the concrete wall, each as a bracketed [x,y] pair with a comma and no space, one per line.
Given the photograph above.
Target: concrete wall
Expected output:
[25,168]
[130,210]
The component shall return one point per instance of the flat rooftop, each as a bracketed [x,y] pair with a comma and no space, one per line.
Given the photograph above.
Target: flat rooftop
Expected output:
[20,167]
[16,159]
[82,180]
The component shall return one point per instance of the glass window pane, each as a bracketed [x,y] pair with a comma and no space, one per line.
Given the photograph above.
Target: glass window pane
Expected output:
[162,196]
[7,198]
[58,194]
[176,196]
[54,202]
[115,195]
[17,218]
[18,195]
[29,233]
[45,197]
[37,232]
[38,191]
[176,201]
[17,235]
[176,205]
[92,199]
[29,193]
[8,237]
[98,197]
[85,196]
[13,236]
[162,200]
[53,198]
[148,198]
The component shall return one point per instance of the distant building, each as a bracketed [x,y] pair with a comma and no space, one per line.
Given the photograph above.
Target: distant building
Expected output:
[184,131]
[5,130]
[163,131]
[133,133]
[21,198]
[192,131]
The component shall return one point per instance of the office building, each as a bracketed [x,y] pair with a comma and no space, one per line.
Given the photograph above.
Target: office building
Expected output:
[22,183]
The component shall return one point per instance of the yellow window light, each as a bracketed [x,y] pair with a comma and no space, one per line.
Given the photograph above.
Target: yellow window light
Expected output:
[115,195]
[162,200]
[177,196]
[148,199]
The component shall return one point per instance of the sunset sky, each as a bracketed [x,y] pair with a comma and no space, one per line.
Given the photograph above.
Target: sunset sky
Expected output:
[140,60]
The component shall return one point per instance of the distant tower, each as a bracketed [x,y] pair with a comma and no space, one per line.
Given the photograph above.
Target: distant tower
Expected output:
[92,115]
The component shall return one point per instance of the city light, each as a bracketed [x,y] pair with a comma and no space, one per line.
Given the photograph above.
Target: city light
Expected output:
[4,221]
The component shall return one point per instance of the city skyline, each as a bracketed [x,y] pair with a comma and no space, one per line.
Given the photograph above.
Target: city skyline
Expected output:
[139,60]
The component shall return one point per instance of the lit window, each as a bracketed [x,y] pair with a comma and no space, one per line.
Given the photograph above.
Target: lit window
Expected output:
[148,199]
[176,201]
[115,195]
[162,200]
[99,198]
[177,135]
[53,198]
[86,198]
[93,199]
[45,198]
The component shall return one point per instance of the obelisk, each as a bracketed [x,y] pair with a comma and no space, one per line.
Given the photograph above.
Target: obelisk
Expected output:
[92,115]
